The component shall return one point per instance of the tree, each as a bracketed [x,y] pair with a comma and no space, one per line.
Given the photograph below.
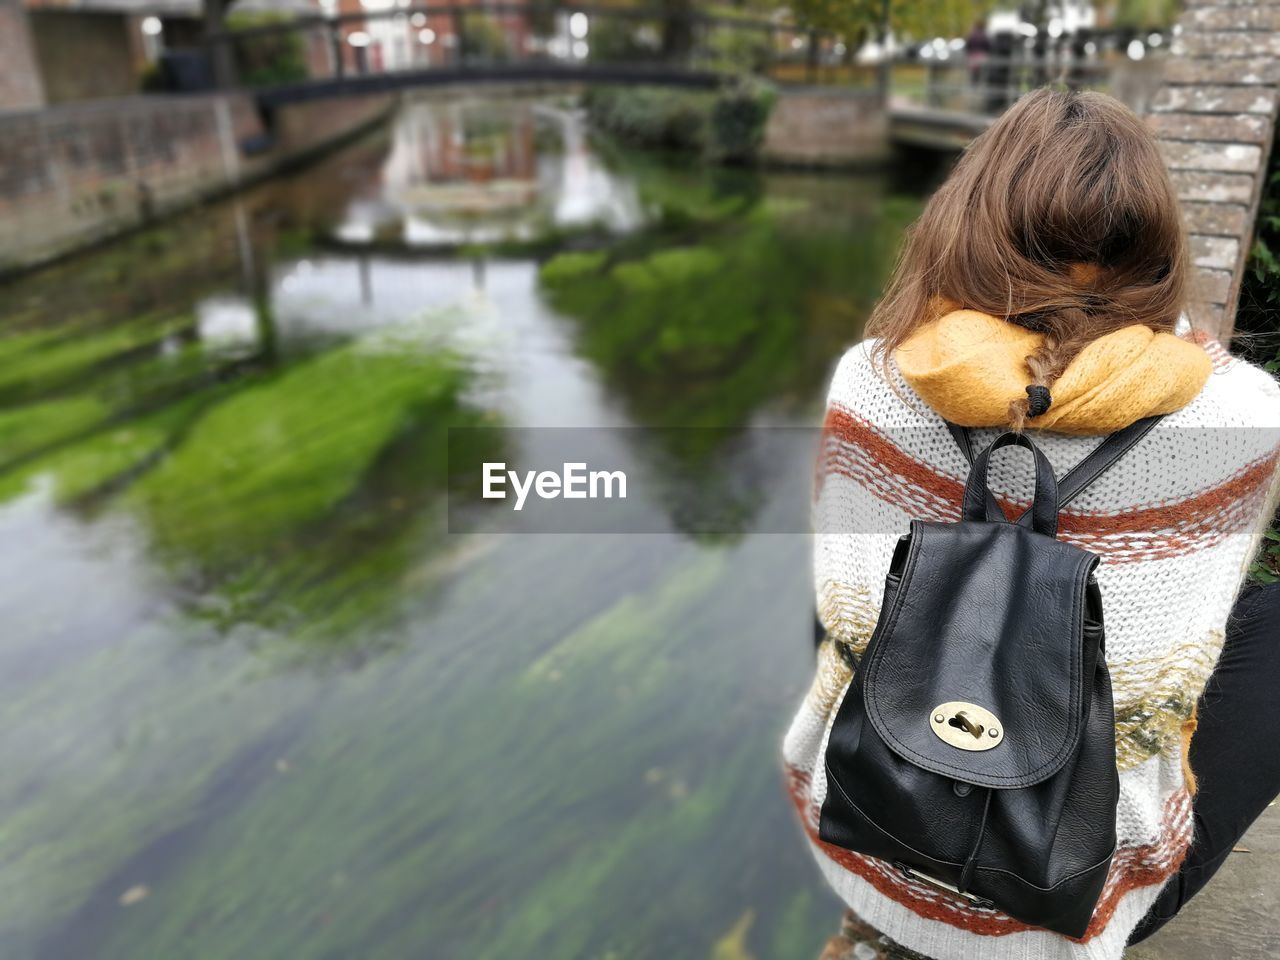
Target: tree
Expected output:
[851,18]
[1146,14]
[854,19]
[677,28]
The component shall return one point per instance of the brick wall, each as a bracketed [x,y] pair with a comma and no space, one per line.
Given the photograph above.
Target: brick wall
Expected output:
[1215,118]
[83,56]
[20,87]
[74,174]
[301,128]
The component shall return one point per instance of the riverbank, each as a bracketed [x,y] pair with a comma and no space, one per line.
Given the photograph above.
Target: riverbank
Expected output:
[76,175]
[750,123]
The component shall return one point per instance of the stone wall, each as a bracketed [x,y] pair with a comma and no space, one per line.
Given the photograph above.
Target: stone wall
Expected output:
[79,173]
[19,78]
[826,128]
[1215,119]
[302,128]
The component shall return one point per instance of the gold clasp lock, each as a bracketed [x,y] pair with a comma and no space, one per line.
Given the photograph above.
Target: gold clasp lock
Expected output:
[966,726]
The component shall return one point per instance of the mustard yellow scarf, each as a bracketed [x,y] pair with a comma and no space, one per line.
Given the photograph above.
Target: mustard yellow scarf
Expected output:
[969,366]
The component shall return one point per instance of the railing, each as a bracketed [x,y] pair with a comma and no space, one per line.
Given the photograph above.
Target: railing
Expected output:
[424,37]
[458,40]
[989,85]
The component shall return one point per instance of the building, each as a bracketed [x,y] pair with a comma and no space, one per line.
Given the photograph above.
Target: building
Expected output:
[59,51]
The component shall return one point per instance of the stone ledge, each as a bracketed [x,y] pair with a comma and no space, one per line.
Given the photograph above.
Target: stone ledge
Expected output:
[1214,118]
[1253,71]
[1217,219]
[1228,45]
[1210,286]
[1217,253]
[1235,917]
[1232,3]
[1239,17]
[1206,316]
[1239,128]
[1220,157]
[1215,100]
[1213,188]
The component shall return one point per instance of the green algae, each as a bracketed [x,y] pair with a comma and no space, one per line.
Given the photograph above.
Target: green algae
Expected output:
[79,469]
[283,452]
[700,339]
[46,361]
[305,499]
[732,946]
[701,336]
[33,427]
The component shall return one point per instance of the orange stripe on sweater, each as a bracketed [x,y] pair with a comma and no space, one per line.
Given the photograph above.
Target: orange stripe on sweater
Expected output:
[1131,868]
[853,448]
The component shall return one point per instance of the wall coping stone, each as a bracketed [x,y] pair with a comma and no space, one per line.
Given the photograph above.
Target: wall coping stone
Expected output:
[1214,119]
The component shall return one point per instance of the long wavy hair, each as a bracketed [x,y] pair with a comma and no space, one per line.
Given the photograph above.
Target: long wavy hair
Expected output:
[1061,218]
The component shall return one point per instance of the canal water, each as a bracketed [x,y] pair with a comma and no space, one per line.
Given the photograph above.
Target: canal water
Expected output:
[257,702]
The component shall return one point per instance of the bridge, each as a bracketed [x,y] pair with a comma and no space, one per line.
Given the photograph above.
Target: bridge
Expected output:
[935,103]
[1211,94]
[261,97]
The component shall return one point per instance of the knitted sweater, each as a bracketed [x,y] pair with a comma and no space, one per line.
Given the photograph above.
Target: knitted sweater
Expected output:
[1176,524]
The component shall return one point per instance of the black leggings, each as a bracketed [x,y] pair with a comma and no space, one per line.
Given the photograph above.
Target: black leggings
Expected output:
[1237,780]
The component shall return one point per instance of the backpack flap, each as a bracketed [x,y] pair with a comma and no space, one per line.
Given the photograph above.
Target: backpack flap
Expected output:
[977,668]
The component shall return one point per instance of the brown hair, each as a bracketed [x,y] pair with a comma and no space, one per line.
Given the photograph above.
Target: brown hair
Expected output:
[1060,218]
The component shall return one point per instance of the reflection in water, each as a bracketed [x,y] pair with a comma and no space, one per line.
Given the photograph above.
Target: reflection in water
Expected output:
[256,701]
[588,191]
[477,172]
[227,325]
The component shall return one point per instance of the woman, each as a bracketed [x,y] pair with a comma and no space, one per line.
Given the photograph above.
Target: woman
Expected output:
[1043,289]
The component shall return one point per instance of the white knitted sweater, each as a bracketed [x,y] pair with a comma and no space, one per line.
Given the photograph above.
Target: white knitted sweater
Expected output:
[1176,523]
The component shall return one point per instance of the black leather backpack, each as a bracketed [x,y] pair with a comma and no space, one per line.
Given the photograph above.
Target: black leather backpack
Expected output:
[975,748]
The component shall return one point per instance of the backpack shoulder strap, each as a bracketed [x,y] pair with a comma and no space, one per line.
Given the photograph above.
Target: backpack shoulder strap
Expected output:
[1102,457]
[1077,479]
[961,436]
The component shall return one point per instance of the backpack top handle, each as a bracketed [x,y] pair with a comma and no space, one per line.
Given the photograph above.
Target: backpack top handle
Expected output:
[979,503]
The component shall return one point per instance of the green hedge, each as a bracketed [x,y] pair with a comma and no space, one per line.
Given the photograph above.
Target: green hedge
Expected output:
[725,125]
[1259,307]
[269,59]
[1258,322]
